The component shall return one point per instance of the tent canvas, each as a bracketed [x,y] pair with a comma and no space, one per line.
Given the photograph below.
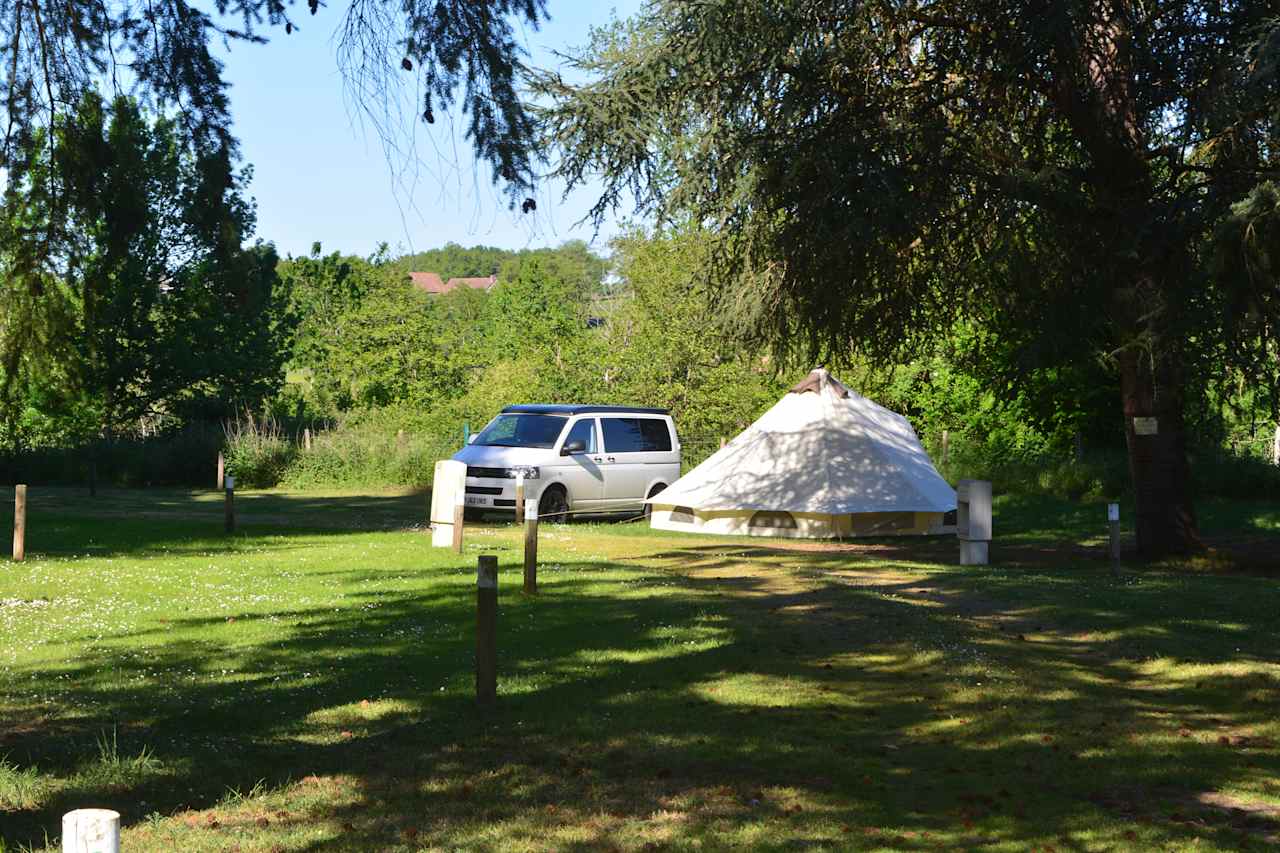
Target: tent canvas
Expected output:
[823,462]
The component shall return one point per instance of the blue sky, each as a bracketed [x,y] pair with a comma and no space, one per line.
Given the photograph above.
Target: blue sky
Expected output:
[320,175]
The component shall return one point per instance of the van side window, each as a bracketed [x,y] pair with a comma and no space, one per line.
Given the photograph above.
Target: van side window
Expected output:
[635,435]
[656,435]
[584,431]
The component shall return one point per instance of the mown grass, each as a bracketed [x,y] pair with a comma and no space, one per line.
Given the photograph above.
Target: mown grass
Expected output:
[307,685]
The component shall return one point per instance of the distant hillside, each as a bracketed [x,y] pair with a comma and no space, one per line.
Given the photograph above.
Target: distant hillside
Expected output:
[573,260]
[454,261]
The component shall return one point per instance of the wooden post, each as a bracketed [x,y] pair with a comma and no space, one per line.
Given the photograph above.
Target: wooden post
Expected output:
[19,523]
[1275,447]
[306,439]
[222,471]
[487,630]
[531,547]
[459,515]
[946,446]
[400,440]
[1079,447]
[1113,521]
[520,497]
[722,442]
[229,505]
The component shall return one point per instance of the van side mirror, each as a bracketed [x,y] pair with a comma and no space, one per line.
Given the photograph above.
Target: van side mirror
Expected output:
[575,446]
[471,439]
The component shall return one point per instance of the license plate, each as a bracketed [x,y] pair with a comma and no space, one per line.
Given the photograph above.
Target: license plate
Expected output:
[475,500]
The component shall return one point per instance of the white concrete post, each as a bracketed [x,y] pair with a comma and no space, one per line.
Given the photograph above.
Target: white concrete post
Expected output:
[91,831]
[448,488]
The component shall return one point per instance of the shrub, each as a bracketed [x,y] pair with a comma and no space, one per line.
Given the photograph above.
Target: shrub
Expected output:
[375,452]
[1215,471]
[257,451]
[1102,473]
[180,458]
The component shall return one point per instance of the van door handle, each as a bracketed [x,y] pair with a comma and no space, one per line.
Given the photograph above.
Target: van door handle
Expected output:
[596,459]
[610,458]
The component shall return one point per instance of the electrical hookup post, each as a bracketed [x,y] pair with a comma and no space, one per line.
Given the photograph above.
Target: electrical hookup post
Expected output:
[1113,523]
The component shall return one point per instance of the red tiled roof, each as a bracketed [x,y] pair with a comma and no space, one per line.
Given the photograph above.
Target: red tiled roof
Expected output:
[428,281]
[432,283]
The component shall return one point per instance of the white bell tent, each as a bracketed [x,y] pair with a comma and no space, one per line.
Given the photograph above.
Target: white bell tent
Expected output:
[824,462]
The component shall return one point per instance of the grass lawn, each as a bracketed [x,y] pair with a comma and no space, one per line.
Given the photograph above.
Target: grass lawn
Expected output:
[306,685]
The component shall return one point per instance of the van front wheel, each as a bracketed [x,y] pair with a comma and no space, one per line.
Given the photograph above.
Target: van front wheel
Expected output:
[554,504]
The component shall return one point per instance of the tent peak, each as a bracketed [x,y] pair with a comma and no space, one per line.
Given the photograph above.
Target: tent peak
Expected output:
[818,380]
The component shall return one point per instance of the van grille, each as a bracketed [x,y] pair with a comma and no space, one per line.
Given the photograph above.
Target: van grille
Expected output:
[493,473]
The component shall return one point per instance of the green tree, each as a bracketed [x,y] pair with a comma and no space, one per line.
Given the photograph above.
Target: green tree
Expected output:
[572,262]
[535,306]
[1051,171]
[1247,343]
[237,334]
[365,338]
[127,287]
[455,261]
[467,324]
[322,290]
[662,346]
[388,352]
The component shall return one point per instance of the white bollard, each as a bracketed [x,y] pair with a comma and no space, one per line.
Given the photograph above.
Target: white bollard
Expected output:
[973,521]
[91,831]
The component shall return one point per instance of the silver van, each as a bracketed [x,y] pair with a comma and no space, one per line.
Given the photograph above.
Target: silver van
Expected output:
[575,458]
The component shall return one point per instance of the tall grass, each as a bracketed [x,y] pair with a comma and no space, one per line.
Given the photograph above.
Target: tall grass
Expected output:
[361,455]
[20,787]
[257,450]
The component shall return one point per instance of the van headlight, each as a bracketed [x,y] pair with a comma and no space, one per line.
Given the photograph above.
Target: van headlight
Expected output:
[530,472]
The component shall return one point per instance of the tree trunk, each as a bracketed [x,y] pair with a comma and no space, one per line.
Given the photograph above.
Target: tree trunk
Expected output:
[1151,389]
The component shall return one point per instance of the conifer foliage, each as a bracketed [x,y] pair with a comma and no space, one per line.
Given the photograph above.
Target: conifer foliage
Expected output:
[1059,172]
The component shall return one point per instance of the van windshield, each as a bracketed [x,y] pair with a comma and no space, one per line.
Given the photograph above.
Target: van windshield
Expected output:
[522,431]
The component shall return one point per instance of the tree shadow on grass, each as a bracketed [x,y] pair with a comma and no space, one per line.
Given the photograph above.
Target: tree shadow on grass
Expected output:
[775,707]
